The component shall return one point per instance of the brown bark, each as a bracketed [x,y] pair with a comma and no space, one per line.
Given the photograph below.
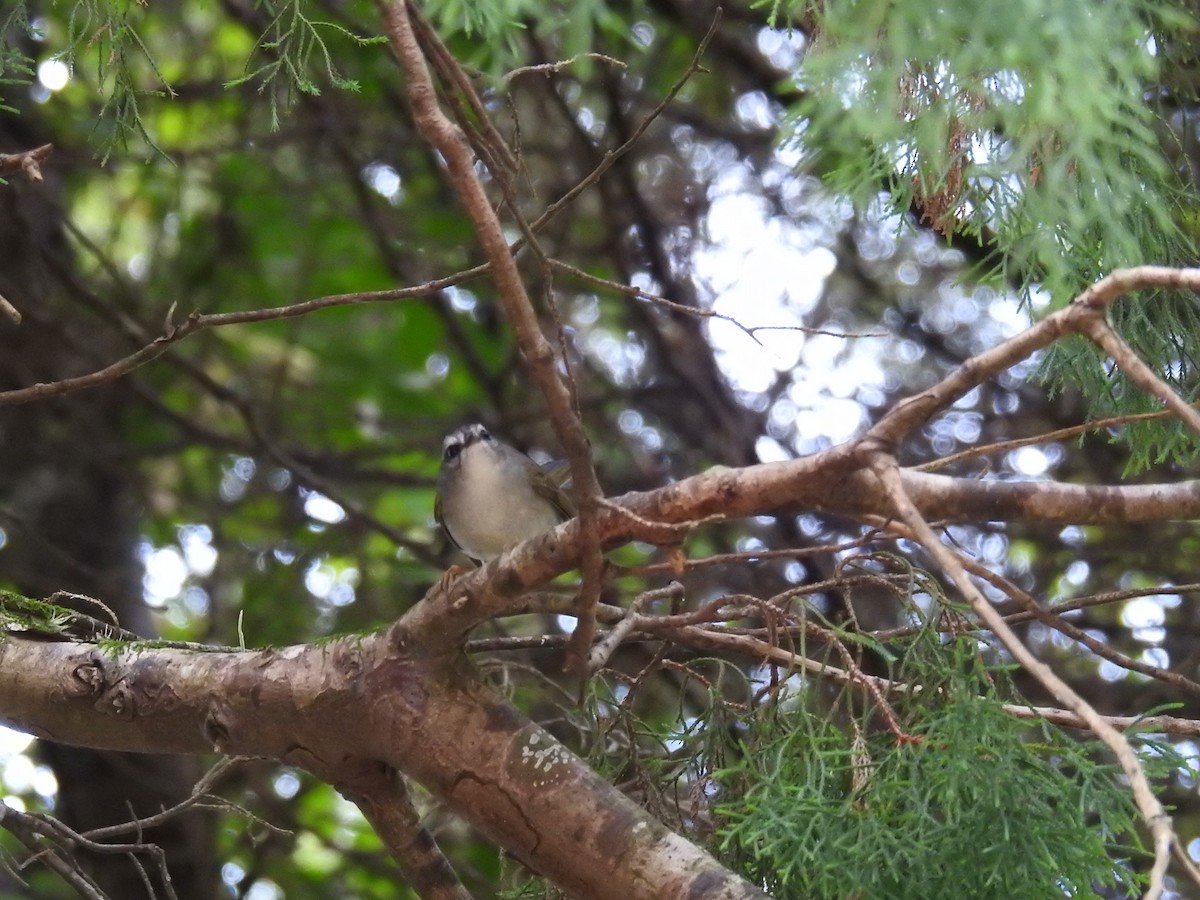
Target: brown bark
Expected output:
[355,703]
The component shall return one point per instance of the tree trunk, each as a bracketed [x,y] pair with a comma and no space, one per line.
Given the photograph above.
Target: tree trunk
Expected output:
[69,511]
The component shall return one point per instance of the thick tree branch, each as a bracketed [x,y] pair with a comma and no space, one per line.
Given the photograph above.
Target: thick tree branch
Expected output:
[830,482]
[361,705]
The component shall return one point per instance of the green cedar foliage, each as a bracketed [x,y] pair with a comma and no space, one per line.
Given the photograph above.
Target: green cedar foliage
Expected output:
[972,802]
[1038,130]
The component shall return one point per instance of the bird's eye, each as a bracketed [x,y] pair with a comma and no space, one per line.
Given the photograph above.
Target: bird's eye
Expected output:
[451,452]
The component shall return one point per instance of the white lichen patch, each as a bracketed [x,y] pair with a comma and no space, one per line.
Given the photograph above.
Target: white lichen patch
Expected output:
[543,755]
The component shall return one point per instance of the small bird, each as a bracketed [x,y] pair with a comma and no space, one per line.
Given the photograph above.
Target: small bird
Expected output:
[491,496]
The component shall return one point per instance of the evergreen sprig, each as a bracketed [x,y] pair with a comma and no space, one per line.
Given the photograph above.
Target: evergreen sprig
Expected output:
[1030,129]
[16,67]
[978,805]
[293,50]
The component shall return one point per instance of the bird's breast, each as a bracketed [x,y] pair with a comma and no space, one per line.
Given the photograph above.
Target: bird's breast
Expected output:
[495,509]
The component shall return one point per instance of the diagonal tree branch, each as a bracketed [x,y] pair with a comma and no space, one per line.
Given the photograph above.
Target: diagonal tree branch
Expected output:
[1079,317]
[536,350]
[1152,811]
[385,801]
[350,710]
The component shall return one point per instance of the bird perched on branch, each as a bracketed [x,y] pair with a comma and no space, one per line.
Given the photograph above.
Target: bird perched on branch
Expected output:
[491,496]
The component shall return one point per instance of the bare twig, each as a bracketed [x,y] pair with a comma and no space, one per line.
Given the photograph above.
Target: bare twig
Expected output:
[1142,375]
[201,795]
[743,556]
[611,156]
[1107,597]
[200,322]
[756,648]
[27,161]
[60,835]
[607,645]
[1052,618]
[1059,434]
[23,828]
[666,532]
[556,67]
[9,310]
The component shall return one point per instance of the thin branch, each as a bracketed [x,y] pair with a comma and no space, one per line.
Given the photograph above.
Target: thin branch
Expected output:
[556,67]
[1155,817]
[742,557]
[536,350]
[763,651]
[607,644]
[612,156]
[1051,618]
[696,312]
[1107,597]
[1059,434]
[27,161]
[61,834]
[200,796]
[195,322]
[21,826]
[1141,374]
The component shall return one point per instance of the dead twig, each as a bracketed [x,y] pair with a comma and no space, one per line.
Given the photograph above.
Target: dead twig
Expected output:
[27,161]
[176,332]
[607,644]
